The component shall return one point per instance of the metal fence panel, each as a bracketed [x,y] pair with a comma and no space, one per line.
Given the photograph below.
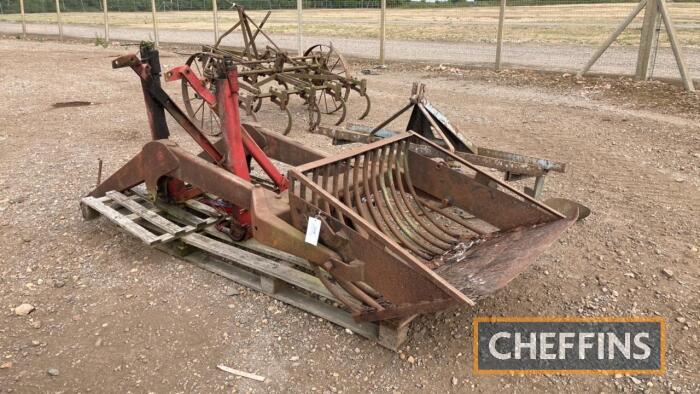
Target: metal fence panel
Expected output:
[542,34]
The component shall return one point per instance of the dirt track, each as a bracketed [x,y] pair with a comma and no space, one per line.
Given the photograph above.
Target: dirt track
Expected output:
[569,57]
[113,315]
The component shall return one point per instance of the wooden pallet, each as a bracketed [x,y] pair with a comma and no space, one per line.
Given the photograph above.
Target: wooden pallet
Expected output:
[188,231]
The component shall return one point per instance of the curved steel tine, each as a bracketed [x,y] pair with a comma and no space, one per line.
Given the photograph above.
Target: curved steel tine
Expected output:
[302,191]
[410,233]
[324,185]
[440,231]
[351,302]
[346,192]
[378,210]
[336,175]
[358,293]
[412,190]
[359,205]
[419,228]
[314,193]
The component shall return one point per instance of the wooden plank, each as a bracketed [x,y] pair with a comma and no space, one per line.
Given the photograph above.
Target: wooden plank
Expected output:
[117,218]
[260,248]
[250,244]
[392,337]
[258,263]
[186,217]
[213,264]
[268,276]
[177,212]
[148,215]
[236,371]
[255,246]
[108,199]
[270,285]
[202,208]
[131,216]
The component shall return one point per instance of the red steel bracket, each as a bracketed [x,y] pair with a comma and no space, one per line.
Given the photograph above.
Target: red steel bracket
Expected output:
[184,72]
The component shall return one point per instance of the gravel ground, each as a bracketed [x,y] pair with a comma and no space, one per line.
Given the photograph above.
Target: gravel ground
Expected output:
[112,315]
[617,60]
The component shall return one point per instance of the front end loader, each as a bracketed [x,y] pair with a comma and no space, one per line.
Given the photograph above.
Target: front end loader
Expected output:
[388,228]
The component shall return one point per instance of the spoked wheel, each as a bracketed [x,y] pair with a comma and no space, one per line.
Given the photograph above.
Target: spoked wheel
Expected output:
[198,110]
[331,62]
[329,103]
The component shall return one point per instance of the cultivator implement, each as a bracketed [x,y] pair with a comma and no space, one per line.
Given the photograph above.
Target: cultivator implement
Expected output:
[321,78]
[385,230]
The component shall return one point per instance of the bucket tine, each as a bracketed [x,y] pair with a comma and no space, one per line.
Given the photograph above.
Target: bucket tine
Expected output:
[443,233]
[336,180]
[407,210]
[395,228]
[361,206]
[412,190]
[378,210]
[314,194]
[397,214]
[326,175]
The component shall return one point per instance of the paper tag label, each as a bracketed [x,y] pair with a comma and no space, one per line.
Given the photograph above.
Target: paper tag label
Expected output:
[313,230]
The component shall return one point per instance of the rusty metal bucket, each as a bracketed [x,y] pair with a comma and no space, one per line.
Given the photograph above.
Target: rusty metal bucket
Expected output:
[413,233]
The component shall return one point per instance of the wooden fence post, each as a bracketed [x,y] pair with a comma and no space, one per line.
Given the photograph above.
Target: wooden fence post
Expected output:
[215,11]
[382,33]
[24,24]
[300,28]
[155,22]
[599,52]
[58,18]
[647,39]
[675,46]
[499,34]
[106,14]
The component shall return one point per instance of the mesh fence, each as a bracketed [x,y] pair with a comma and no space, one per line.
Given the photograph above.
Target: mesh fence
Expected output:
[552,34]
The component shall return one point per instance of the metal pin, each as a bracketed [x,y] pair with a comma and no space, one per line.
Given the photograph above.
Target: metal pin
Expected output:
[99,171]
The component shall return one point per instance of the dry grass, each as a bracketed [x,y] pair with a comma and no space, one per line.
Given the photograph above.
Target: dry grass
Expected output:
[581,24]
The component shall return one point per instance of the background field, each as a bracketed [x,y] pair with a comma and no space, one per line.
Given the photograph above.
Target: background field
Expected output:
[576,23]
